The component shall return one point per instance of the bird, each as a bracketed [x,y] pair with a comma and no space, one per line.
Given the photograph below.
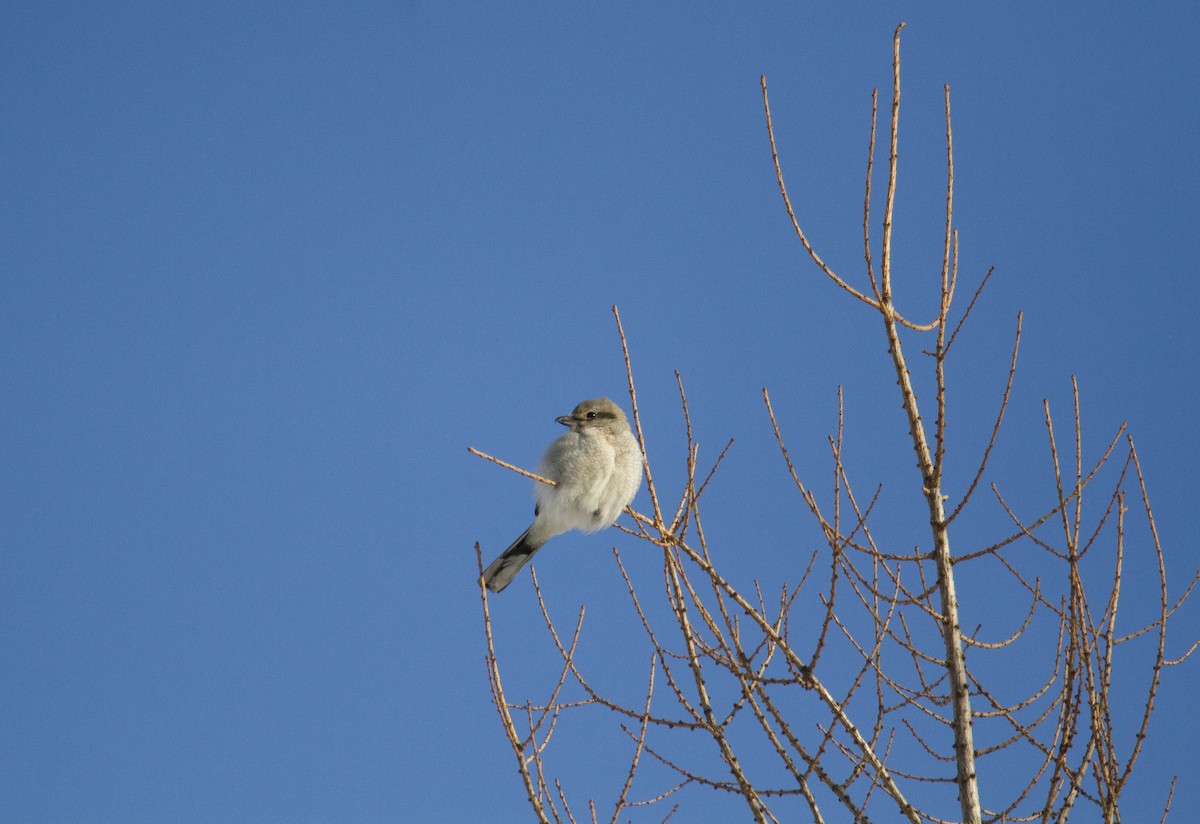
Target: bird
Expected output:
[597,466]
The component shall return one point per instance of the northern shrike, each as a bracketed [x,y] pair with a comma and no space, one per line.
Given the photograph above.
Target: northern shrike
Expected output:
[598,467]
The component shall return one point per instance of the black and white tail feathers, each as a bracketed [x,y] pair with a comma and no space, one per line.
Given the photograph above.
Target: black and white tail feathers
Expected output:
[501,571]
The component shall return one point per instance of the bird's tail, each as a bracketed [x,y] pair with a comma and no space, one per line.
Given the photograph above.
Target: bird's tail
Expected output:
[501,571]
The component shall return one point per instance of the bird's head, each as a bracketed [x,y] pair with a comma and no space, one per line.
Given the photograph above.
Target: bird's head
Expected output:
[599,413]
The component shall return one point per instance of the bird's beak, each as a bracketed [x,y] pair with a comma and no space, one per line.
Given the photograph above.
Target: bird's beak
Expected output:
[565,420]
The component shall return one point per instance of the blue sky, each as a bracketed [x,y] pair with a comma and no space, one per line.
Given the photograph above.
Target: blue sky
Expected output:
[269,269]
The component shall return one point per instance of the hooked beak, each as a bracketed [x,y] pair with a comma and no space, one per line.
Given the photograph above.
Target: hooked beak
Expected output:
[565,420]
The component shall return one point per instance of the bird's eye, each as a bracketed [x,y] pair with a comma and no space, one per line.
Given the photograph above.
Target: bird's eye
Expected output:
[591,416]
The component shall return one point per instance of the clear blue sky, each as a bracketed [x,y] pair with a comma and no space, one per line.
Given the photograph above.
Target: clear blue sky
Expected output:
[268,269]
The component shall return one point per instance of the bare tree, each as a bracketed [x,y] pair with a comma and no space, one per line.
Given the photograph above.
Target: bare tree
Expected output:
[910,727]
